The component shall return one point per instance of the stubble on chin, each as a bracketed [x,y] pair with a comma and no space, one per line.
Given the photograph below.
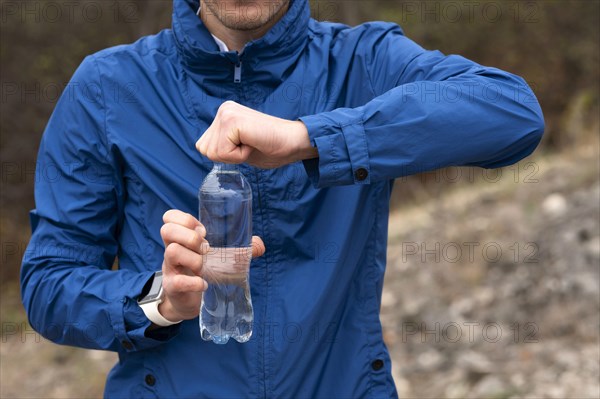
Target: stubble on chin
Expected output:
[245,15]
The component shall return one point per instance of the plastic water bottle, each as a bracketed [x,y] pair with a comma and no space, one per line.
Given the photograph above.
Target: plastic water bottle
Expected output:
[225,200]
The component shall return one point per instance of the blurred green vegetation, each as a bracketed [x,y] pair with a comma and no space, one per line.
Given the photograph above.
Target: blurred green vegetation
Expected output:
[554,45]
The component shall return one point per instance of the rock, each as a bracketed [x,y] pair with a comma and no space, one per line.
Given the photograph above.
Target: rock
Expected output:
[457,390]
[413,305]
[555,392]
[461,307]
[518,380]
[430,359]
[489,387]
[592,247]
[568,359]
[484,296]
[388,299]
[475,362]
[554,205]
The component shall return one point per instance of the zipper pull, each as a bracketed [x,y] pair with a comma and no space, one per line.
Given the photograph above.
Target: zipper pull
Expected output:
[237,73]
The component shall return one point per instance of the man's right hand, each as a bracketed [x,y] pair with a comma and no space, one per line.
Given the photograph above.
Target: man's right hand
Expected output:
[185,247]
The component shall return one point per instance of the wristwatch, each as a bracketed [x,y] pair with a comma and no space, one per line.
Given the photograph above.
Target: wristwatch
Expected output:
[150,302]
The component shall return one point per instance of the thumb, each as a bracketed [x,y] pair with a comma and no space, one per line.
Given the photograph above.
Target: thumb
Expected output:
[258,247]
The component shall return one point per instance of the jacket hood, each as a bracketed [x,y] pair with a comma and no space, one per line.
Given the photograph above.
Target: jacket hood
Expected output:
[199,51]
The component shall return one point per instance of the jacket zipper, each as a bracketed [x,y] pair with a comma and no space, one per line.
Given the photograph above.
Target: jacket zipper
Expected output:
[237,72]
[237,79]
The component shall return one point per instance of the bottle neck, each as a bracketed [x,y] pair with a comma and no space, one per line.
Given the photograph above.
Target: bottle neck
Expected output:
[225,167]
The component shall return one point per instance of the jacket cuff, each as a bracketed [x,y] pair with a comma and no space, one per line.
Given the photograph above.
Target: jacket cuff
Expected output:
[340,138]
[130,323]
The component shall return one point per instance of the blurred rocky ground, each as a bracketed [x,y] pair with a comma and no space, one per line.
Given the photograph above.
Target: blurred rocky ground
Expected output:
[492,291]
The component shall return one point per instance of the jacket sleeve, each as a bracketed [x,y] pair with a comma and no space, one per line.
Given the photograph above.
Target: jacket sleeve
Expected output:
[69,290]
[429,111]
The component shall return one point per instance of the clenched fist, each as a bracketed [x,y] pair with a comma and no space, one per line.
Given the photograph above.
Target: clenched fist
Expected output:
[240,134]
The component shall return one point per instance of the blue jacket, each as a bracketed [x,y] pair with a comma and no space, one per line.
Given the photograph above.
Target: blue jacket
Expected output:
[119,151]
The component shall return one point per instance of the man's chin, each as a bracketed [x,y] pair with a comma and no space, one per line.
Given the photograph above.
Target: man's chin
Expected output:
[243,23]
[245,15]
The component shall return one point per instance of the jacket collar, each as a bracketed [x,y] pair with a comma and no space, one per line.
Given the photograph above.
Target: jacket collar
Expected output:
[200,53]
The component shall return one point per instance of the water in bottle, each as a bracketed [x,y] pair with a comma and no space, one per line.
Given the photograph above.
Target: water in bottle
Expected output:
[225,200]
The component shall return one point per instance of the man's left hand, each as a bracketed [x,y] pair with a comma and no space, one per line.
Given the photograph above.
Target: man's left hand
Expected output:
[240,134]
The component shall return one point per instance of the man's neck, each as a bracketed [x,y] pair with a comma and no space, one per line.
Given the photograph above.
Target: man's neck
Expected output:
[235,39]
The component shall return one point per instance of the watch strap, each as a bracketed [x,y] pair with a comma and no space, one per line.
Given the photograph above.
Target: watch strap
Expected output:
[152,313]
[150,302]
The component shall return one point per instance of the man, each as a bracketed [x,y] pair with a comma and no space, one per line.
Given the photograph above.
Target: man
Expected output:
[322,118]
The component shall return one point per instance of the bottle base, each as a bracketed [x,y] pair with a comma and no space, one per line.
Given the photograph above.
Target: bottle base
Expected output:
[223,339]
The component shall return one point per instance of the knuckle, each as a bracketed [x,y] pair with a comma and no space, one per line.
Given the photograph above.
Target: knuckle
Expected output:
[227,111]
[168,215]
[165,230]
[213,153]
[227,105]
[226,116]
[177,285]
[172,253]
[194,240]
[167,285]
[166,272]
[189,220]
[204,247]
[209,153]
[234,157]
[199,264]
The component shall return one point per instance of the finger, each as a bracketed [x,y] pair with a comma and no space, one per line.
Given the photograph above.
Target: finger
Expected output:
[204,139]
[258,247]
[240,154]
[235,155]
[200,141]
[182,218]
[176,233]
[233,136]
[212,150]
[178,257]
[200,146]
[181,283]
[201,230]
